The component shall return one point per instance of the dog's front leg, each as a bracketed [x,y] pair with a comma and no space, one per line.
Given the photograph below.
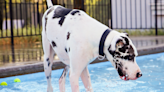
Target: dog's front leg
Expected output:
[85,77]
[74,80]
[76,68]
[80,56]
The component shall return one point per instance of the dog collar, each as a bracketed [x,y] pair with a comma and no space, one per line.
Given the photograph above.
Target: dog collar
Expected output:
[101,44]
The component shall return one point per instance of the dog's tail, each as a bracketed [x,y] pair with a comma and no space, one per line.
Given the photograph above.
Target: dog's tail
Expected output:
[49,3]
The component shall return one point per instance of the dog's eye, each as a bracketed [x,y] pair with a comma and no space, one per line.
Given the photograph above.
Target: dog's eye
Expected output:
[131,57]
[126,57]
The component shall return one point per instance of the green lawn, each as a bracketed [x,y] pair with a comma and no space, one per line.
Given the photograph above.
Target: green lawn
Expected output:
[142,32]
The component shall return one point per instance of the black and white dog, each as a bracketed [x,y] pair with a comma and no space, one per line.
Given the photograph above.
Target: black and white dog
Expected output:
[78,40]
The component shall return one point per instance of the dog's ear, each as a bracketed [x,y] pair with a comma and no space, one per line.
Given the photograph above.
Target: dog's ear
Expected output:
[126,34]
[116,41]
[119,43]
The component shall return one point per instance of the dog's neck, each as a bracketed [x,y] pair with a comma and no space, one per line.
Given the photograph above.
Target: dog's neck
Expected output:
[107,43]
[102,42]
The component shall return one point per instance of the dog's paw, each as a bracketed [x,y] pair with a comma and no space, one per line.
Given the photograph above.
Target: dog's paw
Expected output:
[49,89]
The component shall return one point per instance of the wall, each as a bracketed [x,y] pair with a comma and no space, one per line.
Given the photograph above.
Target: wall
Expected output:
[137,14]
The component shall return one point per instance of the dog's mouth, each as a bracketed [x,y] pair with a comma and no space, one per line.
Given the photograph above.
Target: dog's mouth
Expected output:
[123,76]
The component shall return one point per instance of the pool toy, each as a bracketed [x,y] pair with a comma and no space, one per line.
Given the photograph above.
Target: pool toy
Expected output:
[17,80]
[3,83]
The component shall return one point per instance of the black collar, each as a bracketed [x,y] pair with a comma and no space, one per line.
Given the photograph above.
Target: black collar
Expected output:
[101,44]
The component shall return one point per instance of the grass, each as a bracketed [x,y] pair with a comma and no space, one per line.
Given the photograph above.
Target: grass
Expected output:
[26,31]
[23,36]
[141,32]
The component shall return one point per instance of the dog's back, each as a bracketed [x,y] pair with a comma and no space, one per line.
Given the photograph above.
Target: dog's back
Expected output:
[61,24]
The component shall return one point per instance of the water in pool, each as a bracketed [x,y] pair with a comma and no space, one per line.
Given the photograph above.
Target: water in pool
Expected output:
[104,78]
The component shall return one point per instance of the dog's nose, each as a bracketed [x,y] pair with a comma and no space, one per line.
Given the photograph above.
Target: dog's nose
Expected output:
[139,74]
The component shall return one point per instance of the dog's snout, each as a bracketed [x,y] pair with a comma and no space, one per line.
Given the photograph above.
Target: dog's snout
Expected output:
[139,74]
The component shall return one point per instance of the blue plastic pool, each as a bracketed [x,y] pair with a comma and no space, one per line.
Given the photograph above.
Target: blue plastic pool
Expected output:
[104,78]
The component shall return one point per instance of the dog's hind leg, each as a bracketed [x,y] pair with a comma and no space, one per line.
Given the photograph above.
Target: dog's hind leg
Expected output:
[48,60]
[62,79]
[85,77]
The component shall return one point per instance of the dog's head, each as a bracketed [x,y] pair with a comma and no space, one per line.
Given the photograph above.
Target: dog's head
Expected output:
[123,54]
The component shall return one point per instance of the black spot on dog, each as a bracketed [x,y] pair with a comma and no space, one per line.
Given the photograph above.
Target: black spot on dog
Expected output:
[126,34]
[117,53]
[120,71]
[46,22]
[126,40]
[111,52]
[120,64]
[61,12]
[116,65]
[65,69]
[122,49]
[131,50]
[65,50]
[47,59]
[129,57]
[61,21]
[49,11]
[119,40]
[54,44]
[64,73]
[49,76]
[126,57]
[74,12]
[48,63]
[68,35]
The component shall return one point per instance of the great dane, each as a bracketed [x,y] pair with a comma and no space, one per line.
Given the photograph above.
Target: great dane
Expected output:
[78,40]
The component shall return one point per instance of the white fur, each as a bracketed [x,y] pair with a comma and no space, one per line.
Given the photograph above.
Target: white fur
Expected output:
[85,33]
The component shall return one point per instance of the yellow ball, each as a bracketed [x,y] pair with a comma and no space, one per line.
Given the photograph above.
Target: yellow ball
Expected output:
[3,83]
[17,80]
